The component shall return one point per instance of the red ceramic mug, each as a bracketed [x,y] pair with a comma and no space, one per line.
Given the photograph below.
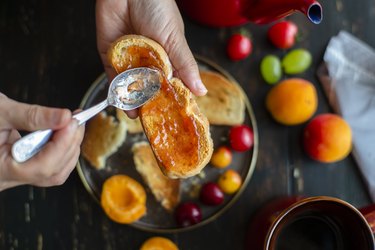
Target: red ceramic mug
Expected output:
[321,222]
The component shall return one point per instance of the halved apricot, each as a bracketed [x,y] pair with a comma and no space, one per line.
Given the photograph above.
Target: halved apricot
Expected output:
[123,199]
[158,243]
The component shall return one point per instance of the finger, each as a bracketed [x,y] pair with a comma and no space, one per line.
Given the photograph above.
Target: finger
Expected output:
[13,136]
[65,167]
[63,141]
[79,135]
[111,73]
[81,130]
[76,111]
[48,161]
[104,35]
[7,178]
[29,117]
[132,113]
[184,63]
[65,170]
[64,174]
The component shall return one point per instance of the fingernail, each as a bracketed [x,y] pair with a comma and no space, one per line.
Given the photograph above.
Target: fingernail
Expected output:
[201,89]
[61,117]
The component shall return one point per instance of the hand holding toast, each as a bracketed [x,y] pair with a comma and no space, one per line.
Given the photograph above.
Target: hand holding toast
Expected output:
[159,20]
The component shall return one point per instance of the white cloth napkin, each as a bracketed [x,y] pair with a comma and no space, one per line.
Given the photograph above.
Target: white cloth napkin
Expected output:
[348,78]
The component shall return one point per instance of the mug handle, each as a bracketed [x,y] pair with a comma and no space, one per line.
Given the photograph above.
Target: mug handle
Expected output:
[369,214]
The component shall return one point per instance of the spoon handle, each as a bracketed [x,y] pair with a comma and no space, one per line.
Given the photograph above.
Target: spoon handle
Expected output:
[87,114]
[29,145]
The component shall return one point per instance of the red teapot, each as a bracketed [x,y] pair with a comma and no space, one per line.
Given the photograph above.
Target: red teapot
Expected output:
[221,13]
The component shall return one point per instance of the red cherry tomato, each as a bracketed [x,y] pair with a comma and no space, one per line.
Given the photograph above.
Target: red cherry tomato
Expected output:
[241,138]
[283,34]
[239,47]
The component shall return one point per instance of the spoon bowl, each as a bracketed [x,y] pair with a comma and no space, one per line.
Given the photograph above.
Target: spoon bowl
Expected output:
[128,90]
[133,88]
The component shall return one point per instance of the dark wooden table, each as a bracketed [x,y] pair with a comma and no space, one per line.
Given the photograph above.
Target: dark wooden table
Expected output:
[48,56]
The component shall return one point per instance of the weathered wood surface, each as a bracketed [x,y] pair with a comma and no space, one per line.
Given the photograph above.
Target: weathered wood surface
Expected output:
[48,56]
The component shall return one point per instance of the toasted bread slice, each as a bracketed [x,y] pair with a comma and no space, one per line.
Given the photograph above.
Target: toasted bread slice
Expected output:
[104,135]
[134,125]
[165,190]
[178,132]
[223,104]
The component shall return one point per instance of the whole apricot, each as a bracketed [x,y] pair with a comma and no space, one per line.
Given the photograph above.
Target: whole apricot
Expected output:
[123,199]
[327,138]
[292,101]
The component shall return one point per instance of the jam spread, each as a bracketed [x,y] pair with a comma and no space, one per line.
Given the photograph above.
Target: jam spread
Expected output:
[134,57]
[174,136]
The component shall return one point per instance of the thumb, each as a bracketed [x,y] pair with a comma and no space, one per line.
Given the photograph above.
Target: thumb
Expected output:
[22,116]
[184,63]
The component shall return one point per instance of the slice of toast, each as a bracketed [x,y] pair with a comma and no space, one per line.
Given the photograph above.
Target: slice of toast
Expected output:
[178,132]
[165,190]
[103,136]
[223,104]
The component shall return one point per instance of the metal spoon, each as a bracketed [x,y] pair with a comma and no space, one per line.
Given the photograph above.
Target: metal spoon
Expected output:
[128,90]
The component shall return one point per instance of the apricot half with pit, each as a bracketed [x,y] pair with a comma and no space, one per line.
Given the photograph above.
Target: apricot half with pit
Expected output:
[327,138]
[123,199]
[158,243]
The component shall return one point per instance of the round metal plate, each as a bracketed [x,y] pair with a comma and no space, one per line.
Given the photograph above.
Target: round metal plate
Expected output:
[157,218]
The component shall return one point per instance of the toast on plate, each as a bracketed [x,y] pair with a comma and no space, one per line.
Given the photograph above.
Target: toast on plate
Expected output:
[134,125]
[223,104]
[103,136]
[165,190]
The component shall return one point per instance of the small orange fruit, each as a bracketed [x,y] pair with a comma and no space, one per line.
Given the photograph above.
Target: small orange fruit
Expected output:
[221,157]
[230,181]
[327,138]
[123,199]
[292,101]
[158,243]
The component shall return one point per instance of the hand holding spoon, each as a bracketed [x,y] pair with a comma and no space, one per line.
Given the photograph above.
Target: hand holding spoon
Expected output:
[128,90]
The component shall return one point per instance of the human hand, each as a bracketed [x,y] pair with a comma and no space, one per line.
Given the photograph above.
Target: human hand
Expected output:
[159,20]
[53,164]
